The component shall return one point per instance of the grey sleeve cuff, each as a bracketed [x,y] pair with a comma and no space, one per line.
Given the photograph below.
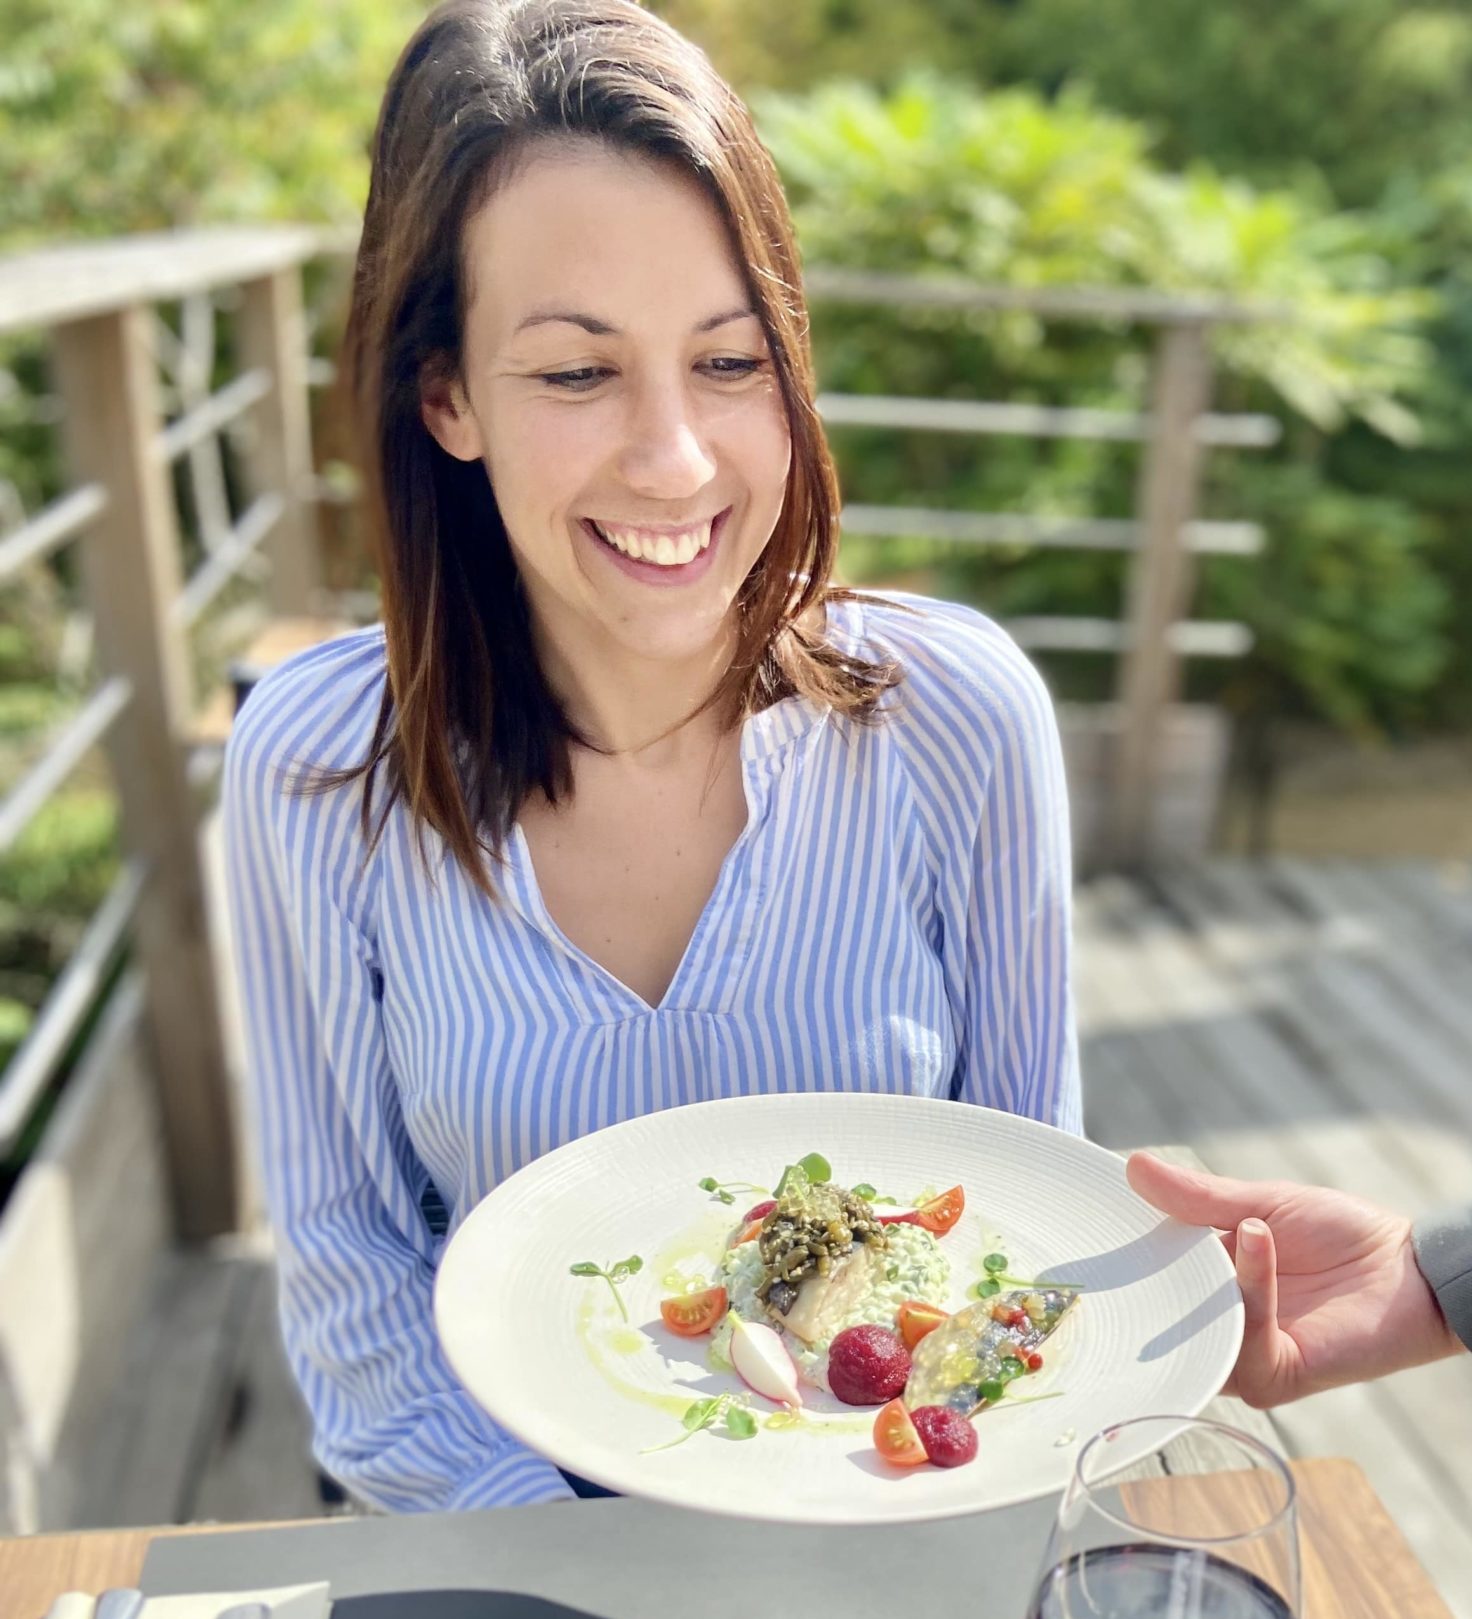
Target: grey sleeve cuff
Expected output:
[1443,1246]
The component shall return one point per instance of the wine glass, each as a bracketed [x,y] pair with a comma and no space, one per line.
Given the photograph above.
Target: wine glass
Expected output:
[1173,1518]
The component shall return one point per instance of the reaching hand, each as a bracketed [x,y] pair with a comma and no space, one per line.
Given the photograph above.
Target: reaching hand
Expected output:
[1330,1283]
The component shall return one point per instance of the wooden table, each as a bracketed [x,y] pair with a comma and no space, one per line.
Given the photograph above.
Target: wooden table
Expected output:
[1355,1563]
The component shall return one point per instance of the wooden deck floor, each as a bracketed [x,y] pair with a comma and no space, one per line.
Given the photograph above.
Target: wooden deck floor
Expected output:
[1305,1020]
[1312,1021]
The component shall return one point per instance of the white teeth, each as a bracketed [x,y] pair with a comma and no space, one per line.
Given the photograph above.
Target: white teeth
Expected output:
[664,550]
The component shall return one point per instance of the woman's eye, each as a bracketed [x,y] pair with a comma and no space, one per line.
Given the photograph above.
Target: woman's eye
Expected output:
[728,365]
[586,377]
[579,381]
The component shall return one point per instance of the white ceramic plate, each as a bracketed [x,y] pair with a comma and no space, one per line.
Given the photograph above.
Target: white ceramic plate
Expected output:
[548,1356]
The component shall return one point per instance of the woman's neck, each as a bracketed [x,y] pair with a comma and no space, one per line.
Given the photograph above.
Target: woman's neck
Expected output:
[626,705]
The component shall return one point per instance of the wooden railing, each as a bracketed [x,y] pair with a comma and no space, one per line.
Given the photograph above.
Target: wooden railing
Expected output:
[1164,536]
[98,303]
[137,403]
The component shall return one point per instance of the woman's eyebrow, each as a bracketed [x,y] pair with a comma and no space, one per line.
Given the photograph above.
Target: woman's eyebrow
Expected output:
[601,328]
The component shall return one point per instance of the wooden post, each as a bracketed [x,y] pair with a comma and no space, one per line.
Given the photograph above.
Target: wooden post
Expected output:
[1160,584]
[132,569]
[273,336]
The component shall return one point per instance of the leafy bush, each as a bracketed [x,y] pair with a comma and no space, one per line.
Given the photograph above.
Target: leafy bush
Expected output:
[1009,188]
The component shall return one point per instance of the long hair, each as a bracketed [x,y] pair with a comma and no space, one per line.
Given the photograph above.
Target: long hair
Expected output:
[468,726]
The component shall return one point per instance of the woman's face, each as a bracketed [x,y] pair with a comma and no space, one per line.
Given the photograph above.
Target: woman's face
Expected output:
[618,389]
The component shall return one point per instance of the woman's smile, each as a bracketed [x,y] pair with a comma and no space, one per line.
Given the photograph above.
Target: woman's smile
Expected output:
[659,556]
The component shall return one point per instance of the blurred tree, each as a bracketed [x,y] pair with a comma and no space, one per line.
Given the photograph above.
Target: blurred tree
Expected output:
[1010,188]
[1358,93]
[174,112]
[1349,103]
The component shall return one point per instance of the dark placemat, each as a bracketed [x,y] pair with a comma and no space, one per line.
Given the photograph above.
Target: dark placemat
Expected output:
[625,1559]
[454,1605]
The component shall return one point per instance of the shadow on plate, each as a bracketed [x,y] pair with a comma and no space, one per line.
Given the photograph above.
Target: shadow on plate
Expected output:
[1146,1255]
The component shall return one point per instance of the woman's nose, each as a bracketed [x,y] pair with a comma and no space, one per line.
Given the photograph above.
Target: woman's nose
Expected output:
[665,455]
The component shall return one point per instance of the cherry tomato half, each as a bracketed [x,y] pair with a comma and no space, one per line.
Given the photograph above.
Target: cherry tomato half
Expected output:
[914,1319]
[693,1313]
[895,1437]
[941,1213]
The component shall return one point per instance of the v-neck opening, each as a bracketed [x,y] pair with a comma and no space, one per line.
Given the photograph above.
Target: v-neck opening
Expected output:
[764,737]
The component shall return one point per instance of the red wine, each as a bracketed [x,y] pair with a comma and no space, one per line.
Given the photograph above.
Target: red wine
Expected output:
[1154,1582]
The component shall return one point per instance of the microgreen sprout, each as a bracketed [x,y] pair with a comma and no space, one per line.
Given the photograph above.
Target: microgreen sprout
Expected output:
[997,1277]
[869,1195]
[615,1274]
[812,1170]
[721,1410]
[726,1190]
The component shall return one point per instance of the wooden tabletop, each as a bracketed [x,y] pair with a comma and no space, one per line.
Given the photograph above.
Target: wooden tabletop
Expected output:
[1355,1563]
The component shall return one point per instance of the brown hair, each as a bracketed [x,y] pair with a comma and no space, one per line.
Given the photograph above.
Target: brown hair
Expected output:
[468,725]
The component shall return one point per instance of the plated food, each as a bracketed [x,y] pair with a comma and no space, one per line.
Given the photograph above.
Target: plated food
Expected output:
[616,1374]
[837,1289]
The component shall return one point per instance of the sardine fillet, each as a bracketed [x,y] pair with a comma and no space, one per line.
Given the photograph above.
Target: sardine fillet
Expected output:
[950,1365]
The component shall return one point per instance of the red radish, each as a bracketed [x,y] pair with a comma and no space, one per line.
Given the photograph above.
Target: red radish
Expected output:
[908,1217]
[762,1362]
[759,1211]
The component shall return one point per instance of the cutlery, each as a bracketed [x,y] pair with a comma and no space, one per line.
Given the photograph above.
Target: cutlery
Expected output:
[119,1604]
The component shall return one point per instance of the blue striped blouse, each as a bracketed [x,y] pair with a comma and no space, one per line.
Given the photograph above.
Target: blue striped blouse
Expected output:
[894,917]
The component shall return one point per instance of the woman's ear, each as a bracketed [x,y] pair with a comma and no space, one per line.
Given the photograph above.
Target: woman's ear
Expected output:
[445,410]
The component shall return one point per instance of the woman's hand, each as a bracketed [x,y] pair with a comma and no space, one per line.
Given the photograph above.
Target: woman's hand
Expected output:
[1330,1282]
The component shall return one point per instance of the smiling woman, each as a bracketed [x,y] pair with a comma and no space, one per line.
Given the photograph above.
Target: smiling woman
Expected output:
[625,806]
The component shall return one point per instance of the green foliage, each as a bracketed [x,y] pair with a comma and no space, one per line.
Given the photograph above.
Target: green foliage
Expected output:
[1007,188]
[169,112]
[1352,92]
[15,1024]
[1350,621]
[1357,93]
[65,861]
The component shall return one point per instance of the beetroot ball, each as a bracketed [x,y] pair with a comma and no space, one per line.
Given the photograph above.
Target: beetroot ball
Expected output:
[867,1366]
[949,1439]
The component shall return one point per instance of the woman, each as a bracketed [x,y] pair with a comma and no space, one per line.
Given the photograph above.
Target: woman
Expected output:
[623,807]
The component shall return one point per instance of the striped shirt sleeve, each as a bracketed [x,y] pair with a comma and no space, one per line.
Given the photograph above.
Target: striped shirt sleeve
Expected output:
[978,727]
[355,1256]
